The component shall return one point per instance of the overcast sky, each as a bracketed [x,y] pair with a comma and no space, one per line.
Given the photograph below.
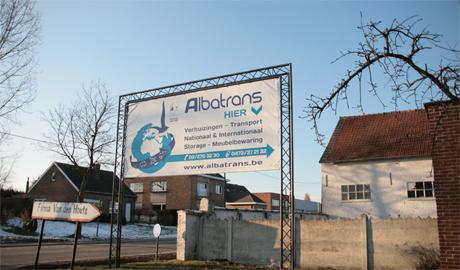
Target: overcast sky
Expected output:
[133,46]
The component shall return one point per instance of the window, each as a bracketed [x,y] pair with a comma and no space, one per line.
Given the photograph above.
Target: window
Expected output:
[275,202]
[219,189]
[356,192]
[202,189]
[159,186]
[158,206]
[420,189]
[136,187]
[53,176]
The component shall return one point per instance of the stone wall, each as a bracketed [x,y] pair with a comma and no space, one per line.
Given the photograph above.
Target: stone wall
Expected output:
[345,244]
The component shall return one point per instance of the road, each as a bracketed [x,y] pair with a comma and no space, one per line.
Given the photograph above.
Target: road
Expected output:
[13,255]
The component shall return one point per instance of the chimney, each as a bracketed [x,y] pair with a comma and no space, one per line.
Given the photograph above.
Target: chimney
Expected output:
[27,185]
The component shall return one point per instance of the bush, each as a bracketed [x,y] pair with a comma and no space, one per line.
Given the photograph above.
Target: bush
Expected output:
[167,217]
[16,207]
[428,258]
[8,193]
[30,226]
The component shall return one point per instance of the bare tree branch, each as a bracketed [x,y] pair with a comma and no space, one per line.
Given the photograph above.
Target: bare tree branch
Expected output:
[83,133]
[395,50]
[19,27]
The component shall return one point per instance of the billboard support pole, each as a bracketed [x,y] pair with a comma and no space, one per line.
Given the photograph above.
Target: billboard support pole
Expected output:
[113,221]
[287,209]
[291,169]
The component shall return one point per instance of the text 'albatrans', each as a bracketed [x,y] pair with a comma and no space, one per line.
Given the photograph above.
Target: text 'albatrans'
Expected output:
[199,132]
[81,212]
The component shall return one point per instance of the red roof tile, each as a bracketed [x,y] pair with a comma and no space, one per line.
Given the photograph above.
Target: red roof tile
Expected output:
[403,134]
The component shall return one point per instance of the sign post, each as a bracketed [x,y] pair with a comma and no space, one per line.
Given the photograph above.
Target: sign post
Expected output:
[156,234]
[76,212]
[39,244]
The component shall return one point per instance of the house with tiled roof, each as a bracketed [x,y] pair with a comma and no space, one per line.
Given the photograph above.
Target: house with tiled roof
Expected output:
[239,197]
[60,182]
[380,165]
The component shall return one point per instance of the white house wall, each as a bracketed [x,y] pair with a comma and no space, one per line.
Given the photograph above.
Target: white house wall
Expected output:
[388,196]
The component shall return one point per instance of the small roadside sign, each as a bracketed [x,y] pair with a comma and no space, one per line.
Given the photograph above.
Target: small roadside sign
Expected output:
[156,234]
[156,230]
[76,212]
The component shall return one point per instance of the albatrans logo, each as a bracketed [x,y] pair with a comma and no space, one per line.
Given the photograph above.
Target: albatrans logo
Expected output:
[151,146]
[201,104]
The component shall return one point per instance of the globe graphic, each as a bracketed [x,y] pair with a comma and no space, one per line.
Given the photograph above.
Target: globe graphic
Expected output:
[150,143]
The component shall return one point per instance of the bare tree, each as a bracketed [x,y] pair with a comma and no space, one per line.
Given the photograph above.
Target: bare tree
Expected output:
[83,133]
[19,27]
[398,51]
[6,168]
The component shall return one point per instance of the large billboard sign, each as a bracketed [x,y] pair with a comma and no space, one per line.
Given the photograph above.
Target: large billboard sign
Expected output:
[227,129]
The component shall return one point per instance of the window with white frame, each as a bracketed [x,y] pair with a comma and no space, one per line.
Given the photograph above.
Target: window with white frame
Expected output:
[202,189]
[275,202]
[356,192]
[136,187]
[159,186]
[219,189]
[422,189]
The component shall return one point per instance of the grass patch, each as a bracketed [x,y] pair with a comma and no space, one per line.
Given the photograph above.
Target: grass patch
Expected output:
[184,265]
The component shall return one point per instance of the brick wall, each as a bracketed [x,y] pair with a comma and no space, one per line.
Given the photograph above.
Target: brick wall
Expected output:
[59,189]
[217,199]
[267,197]
[181,191]
[444,120]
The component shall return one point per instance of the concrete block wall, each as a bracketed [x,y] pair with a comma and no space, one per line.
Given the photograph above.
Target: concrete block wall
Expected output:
[346,244]
[255,241]
[254,214]
[330,244]
[187,235]
[401,242]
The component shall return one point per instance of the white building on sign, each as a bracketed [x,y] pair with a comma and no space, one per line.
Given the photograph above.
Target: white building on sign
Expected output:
[380,165]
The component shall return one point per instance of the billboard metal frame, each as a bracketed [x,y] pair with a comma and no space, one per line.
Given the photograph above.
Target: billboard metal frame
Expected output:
[287,210]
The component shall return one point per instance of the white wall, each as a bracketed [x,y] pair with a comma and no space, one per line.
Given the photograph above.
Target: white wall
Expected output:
[388,199]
